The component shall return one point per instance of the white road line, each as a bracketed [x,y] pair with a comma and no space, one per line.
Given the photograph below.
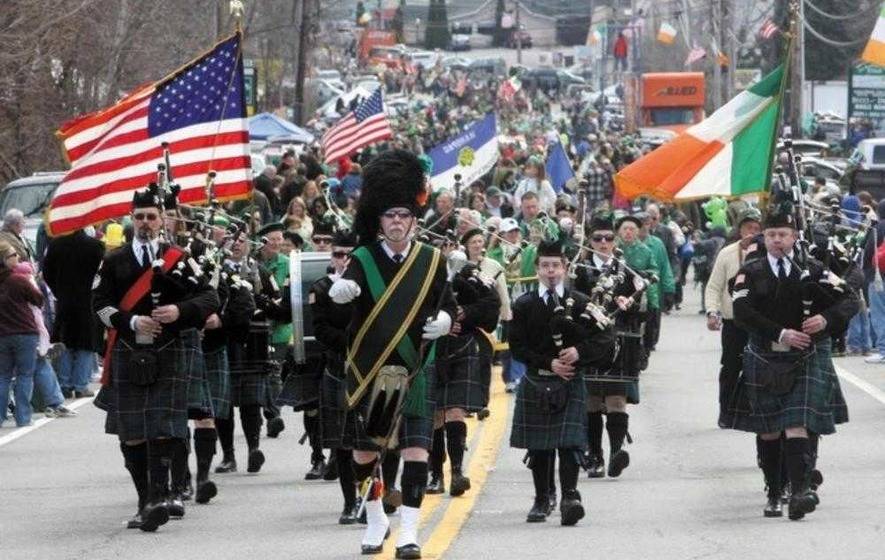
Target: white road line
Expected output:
[9,438]
[867,388]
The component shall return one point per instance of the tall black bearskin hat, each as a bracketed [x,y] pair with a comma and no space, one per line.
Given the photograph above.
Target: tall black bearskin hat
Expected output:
[552,248]
[344,238]
[601,222]
[392,179]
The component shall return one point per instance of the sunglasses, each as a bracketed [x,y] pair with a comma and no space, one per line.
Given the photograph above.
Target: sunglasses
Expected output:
[320,239]
[340,254]
[401,214]
[599,238]
[143,216]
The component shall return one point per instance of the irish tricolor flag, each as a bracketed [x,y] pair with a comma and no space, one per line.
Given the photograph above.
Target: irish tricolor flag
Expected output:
[727,154]
[874,53]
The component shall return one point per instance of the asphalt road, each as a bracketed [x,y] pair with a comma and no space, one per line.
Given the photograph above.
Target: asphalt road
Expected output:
[692,490]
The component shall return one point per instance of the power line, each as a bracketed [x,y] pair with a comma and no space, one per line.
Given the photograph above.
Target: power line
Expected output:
[875,7]
[831,42]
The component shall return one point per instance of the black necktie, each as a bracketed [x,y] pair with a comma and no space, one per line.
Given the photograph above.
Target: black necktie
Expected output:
[145,257]
[550,300]
[397,258]
[781,271]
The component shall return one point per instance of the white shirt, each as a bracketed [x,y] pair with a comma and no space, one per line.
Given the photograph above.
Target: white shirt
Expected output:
[153,248]
[542,291]
[598,262]
[390,252]
[772,262]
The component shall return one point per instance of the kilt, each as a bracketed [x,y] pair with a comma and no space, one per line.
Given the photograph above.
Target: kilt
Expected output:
[814,402]
[155,411]
[199,400]
[218,376]
[414,431]
[301,390]
[104,400]
[536,428]
[602,389]
[464,374]
[248,389]
[337,424]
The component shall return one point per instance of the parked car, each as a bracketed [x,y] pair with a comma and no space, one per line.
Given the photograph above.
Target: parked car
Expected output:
[331,77]
[459,42]
[31,195]
[424,59]
[804,148]
[494,66]
[566,79]
[456,63]
[545,79]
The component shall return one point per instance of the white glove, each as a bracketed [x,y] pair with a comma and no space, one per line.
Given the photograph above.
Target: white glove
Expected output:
[435,328]
[344,291]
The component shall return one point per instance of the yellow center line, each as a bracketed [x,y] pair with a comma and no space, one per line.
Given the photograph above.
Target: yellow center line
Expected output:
[483,459]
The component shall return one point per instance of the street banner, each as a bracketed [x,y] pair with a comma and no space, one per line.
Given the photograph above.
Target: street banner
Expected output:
[472,153]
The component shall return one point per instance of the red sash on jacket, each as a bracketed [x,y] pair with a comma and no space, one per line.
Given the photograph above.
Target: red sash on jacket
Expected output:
[137,291]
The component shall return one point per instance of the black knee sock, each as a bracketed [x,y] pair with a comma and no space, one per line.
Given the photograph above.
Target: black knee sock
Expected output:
[159,461]
[541,464]
[770,455]
[225,429]
[414,482]
[250,417]
[345,476]
[312,427]
[179,468]
[798,458]
[390,468]
[456,441]
[363,471]
[204,449]
[438,451]
[616,425]
[568,470]
[136,461]
[594,432]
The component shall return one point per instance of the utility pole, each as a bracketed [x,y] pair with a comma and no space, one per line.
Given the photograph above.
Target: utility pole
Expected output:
[796,72]
[518,36]
[717,69]
[300,21]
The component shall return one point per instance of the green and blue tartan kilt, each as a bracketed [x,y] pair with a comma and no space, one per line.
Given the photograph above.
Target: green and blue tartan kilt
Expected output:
[337,424]
[155,411]
[464,373]
[536,428]
[218,376]
[814,401]
[414,431]
[301,389]
[199,399]
[248,389]
[104,400]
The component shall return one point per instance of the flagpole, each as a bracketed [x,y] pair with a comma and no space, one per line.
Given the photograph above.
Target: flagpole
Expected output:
[788,48]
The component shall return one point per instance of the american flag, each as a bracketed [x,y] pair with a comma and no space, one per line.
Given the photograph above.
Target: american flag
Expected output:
[768,29]
[199,110]
[360,128]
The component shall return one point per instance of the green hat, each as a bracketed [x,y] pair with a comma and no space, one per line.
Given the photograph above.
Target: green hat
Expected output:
[426,163]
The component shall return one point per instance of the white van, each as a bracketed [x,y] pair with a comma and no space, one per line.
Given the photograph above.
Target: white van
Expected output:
[869,154]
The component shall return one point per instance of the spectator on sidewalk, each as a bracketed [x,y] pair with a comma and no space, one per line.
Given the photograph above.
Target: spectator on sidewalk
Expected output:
[11,232]
[18,336]
[69,268]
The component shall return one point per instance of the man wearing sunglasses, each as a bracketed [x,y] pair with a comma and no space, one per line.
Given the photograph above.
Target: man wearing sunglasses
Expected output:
[397,287]
[146,310]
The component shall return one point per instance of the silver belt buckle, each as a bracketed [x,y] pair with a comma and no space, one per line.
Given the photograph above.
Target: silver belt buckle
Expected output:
[546,373]
[779,347]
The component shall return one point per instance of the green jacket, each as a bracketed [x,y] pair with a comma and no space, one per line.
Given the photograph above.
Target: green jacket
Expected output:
[640,258]
[526,263]
[668,283]
[278,267]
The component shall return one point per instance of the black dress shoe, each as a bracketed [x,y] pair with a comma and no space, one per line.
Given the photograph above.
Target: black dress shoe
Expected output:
[408,552]
[460,484]
[256,459]
[773,508]
[135,522]
[571,509]
[539,511]
[816,479]
[437,484]
[206,490]
[619,461]
[595,466]
[274,426]
[316,470]
[228,465]
[348,515]
[800,504]
[153,515]
[176,507]
[330,472]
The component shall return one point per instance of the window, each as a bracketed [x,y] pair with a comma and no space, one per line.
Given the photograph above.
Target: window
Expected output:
[671,116]
[878,155]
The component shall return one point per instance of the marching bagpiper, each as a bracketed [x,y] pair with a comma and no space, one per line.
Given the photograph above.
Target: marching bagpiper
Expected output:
[146,381]
[550,413]
[401,302]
